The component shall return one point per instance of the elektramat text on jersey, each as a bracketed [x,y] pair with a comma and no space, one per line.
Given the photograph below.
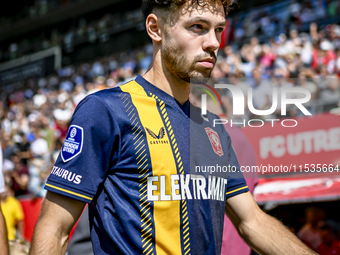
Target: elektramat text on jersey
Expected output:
[213,188]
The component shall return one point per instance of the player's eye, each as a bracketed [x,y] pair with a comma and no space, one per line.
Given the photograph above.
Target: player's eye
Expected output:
[197,27]
[219,30]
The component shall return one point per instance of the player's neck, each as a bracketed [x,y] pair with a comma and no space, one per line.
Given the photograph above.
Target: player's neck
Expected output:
[166,81]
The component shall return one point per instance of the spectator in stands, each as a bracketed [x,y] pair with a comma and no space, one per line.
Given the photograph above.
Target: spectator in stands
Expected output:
[13,213]
[262,91]
[232,61]
[329,245]
[310,233]
[307,13]
[39,99]
[279,83]
[24,148]
[250,24]
[8,145]
[294,14]
[78,94]
[39,147]
[329,94]
[320,9]
[61,118]
[332,8]
[304,81]
[306,53]
[18,178]
[248,60]
[38,174]
[97,68]
[66,86]
[99,83]
[46,131]
[324,55]
[56,150]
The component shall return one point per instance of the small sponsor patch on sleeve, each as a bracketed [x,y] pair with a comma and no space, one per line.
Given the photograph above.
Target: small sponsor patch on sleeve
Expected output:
[73,144]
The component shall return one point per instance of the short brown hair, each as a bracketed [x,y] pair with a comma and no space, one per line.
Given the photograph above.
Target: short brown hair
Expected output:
[148,6]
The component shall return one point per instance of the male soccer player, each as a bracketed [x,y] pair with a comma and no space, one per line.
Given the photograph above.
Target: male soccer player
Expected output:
[127,153]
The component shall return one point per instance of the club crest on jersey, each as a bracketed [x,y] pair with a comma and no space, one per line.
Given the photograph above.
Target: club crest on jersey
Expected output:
[73,144]
[215,141]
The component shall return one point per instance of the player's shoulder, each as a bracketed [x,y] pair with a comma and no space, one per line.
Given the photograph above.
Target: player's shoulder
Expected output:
[116,93]
[106,94]
[107,98]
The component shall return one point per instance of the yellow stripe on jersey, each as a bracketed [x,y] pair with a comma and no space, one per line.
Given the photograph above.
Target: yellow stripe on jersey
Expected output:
[68,191]
[166,213]
[229,192]
[185,229]
[144,172]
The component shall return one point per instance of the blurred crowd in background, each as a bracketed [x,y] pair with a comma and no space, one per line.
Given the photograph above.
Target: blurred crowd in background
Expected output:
[306,60]
[35,113]
[283,16]
[262,22]
[38,8]
[78,32]
[319,233]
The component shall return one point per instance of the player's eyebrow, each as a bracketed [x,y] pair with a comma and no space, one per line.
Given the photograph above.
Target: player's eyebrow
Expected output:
[203,20]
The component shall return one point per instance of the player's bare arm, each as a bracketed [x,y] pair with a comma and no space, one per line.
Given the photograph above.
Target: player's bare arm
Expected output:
[58,216]
[262,232]
[3,234]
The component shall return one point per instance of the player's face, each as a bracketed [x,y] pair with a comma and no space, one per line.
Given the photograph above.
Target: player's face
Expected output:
[191,40]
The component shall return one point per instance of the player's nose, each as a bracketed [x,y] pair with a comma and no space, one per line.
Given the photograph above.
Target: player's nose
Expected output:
[211,41]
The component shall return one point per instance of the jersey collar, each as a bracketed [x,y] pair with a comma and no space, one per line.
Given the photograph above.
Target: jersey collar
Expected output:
[168,99]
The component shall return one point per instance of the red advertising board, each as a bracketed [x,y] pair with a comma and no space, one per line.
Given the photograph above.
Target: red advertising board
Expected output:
[297,190]
[31,209]
[313,144]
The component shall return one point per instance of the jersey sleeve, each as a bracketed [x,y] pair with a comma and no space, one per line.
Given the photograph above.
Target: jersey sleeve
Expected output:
[236,182]
[86,152]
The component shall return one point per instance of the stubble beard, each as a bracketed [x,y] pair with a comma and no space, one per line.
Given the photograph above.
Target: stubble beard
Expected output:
[178,64]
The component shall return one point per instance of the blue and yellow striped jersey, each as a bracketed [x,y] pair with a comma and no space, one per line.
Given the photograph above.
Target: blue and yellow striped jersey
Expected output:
[141,160]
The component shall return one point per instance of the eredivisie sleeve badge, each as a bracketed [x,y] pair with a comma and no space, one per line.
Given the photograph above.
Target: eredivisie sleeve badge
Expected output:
[73,144]
[215,141]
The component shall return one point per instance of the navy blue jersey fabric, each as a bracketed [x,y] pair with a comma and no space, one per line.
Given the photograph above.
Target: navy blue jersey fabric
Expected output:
[141,179]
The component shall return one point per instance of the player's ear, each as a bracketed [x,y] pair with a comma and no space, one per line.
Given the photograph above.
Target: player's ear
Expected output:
[153,27]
